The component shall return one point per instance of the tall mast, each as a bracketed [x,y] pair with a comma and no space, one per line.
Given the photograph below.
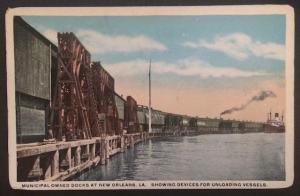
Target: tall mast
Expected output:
[150,129]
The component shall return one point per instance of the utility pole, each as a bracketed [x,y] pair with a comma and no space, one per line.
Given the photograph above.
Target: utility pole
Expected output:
[150,129]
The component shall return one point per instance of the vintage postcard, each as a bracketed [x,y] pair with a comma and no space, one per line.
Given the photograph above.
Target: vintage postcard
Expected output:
[151,97]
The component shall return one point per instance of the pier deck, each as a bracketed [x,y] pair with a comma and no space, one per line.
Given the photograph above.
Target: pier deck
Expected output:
[62,160]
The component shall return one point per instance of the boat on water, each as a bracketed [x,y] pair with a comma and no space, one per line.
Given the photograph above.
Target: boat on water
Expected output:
[274,125]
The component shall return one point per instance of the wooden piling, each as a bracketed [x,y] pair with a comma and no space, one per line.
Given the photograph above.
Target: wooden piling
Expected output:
[107,149]
[47,167]
[93,151]
[69,157]
[36,171]
[122,144]
[88,151]
[77,156]
[131,141]
[102,151]
[55,163]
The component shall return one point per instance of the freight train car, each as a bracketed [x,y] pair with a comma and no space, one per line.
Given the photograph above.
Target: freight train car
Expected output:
[234,126]
[193,123]
[120,104]
[141,113]
[185,122]
[131,117]
[228,126]
[201,124]
[173,122]
[211,125]
[157,120]
[254,127]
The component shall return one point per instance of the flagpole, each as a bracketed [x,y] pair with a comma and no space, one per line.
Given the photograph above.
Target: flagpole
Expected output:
[150,128]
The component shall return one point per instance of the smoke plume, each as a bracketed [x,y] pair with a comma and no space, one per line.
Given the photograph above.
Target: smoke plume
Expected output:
[260,97]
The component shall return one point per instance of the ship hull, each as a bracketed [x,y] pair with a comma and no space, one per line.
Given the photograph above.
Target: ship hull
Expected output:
[274,129]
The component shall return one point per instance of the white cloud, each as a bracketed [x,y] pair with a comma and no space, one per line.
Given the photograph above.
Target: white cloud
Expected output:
[50,34]
[97,42]
[185,67]
[240,46]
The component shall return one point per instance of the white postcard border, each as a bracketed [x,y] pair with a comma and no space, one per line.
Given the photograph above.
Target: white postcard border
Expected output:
[286,10]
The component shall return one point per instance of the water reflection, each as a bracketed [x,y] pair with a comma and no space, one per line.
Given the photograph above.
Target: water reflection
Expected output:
[258,156]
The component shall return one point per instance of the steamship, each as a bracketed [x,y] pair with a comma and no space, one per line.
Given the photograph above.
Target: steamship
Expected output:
[274,125]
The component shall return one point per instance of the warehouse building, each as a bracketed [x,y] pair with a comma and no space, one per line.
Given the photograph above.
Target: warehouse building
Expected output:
[35,59]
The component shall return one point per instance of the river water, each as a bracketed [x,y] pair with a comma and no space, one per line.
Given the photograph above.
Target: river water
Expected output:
[251,156]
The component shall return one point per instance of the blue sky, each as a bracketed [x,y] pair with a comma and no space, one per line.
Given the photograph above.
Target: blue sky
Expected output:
[172,32]
[193,52]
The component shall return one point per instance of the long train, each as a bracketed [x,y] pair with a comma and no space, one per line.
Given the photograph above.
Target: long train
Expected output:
[169,122]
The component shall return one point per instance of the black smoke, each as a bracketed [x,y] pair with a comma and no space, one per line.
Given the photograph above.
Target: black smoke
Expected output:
[260,97]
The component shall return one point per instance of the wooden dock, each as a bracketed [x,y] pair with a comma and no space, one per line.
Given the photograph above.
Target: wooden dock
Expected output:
[62,160]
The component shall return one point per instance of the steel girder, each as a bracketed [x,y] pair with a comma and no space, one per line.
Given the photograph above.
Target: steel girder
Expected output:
[73,108]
